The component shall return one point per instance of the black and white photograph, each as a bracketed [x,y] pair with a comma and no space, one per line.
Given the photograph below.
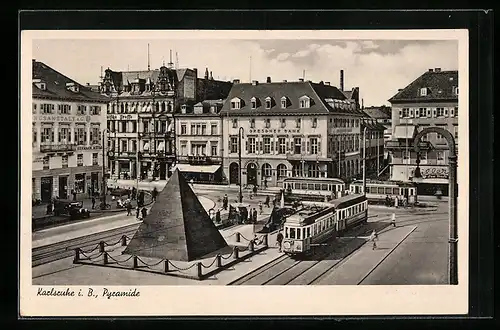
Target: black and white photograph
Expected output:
[162,161]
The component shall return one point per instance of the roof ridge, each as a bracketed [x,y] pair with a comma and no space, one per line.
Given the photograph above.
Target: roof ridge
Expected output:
[317,95]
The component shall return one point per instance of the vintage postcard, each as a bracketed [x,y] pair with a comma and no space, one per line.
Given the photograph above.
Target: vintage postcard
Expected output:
[244,173]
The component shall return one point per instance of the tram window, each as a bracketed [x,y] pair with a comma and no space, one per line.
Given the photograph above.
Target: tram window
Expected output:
[298,233]
[395,191]
[317,186]
[286,232]
[380,190]
[323,225]
[292,232]
[324,186]
[367,190]
[412,191]
[303,233]
[388,191]
[303,186]
[308,232]
[310,186]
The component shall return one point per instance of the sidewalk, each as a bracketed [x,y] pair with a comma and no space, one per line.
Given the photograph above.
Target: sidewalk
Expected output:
[362,262]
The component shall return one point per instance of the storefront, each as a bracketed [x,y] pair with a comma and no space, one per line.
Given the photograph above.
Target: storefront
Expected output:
[46,188]
[434,180]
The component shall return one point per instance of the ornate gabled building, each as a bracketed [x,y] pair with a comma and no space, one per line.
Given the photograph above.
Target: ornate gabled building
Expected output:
[68,120]
[430,100]
[295,128]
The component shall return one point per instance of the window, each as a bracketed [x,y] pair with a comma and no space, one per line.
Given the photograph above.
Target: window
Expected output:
[267,123]
[183,150]
[254,103]
[267,170]
[46,161]
[422,112]
[213,129]
[64,161]
[423,91]
[455,90]
[267,145]
[124,146]
[34,108]
[297,145]
[82,110]
[304,102]
[268,103]
[80,135]
[63,134]
[281,169]
[35,134]
[47,108]
[234,145]
[314,122]
[440,155]
[456,111]
[314,146]
[405,112]
[455,128]
[423,156]
[283,102]
[95,159]
[283,122]
[252,123]
[235,123]
[235,104]
[64,109]
[298,123]
[145,145]
[94,134]
[133,147]
[183,129]
[95,110]
[145,125]
[406,155]
[80,183]
[193,129]
[281,145]
[79,160]
[203,129]
[313,170]
[251,145]
[47,135]
[440,112]
[214,150]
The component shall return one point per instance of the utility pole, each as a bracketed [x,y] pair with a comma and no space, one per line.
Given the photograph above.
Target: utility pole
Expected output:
[364,161]
[240,137]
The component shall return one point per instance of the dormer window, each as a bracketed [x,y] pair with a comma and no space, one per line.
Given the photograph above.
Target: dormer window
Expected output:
[455,90]
[304,102]
[269,102]
[254,103]
[235,104]
[72,87]
[40,84]
[267,123]
[284,102]
[423,91]
[183,108]
[252,123]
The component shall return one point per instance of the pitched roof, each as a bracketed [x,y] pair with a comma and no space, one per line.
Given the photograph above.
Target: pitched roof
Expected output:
[55,86]
[440,86]
[177,227]
[378,112]
[322,99]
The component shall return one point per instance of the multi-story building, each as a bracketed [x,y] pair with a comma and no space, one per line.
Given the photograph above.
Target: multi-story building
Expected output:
[289,129]
[375,160]
[199,141]
[382,115]
[430,100]
[68,120]
[141,116]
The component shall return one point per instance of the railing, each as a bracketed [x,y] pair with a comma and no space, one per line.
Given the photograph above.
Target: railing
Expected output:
[57,147]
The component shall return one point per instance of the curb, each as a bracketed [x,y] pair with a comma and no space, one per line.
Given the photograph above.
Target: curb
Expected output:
[284,256]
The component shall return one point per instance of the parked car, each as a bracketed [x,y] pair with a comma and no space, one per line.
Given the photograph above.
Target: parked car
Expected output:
[74,209]
[119,192]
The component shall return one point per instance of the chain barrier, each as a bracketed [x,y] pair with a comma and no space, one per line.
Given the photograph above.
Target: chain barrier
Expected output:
[119,241]
[148,265]
[181,269]
[120,262]
[246,239]
[213,262]
[90,251]
[89,258]
[229,256]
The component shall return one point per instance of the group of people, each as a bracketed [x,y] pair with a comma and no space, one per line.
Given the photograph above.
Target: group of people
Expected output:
[396,201]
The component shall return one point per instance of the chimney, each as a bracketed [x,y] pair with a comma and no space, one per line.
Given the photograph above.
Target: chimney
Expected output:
[211,77]
[255,82]
[437,70]
[236,81]
[88,84]
[362,103]
[341,80]
[301,79]
[206,73]
[400,89]
[430,70]
[268,80]
[327,83]
[284,80]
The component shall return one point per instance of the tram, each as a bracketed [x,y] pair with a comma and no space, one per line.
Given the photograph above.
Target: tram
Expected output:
[312,189]
[317,222]
[378,191]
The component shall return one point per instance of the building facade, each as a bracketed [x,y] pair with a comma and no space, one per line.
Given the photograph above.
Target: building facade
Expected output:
[289,129]
[431,100]
[68,120]
[375,155]
[199,141]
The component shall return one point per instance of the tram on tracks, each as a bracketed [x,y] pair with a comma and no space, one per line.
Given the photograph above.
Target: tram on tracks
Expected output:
[312,189]
[378,191]
[317,222]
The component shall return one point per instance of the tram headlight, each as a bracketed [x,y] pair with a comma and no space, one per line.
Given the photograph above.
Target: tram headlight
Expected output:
[287,245]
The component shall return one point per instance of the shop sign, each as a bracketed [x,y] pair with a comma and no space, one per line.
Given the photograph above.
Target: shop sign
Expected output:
[270,131]
[122,116]
[61,118]
[96,147]
[434,173]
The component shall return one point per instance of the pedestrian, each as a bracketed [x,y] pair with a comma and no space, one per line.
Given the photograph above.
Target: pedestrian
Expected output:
[144,213]
[134,193]
[129,193]
[93,202]
[393,219]
[260,207]
[217,217]
[224,202]
[396,201]
[250,195]
[254,189]
[254,215]
[154,194]
[279,240]
[138,213]
[374,238]
[265,183]
[129,208]
[49,208]
[74,195]
[267,201]
[89,191]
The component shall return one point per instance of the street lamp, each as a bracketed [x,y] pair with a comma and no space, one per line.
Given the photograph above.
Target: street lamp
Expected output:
[241,131]
[453,191]
[364,161]
[104,186]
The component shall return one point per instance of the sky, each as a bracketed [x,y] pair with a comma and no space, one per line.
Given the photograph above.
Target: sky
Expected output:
[378,67]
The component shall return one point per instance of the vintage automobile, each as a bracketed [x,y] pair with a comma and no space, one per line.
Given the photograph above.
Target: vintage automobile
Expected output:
[74,209]
[238,212]
[119,192]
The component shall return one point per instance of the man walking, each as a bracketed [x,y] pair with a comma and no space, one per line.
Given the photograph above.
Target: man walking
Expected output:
[260,207]
[393,219]
[254,215]
[129,208]
[267,201]
[224,202]
[93,202]
[279,240]
[374,238]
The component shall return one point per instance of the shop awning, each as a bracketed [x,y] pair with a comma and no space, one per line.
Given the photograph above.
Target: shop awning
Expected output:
[197,168]
[404,132]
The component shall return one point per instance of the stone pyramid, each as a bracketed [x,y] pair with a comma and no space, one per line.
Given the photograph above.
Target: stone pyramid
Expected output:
[177,226]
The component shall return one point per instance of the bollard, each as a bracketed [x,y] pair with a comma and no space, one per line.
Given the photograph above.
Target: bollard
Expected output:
[77,255]
[236,252]
[105,258]
[265,240]
[135,262]
[124,240]
[198,265]
[166,266]
[101,246]
[251,247]
[219,261]
[237,237]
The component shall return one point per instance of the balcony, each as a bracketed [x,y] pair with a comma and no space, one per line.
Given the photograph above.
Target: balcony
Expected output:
[57,147]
